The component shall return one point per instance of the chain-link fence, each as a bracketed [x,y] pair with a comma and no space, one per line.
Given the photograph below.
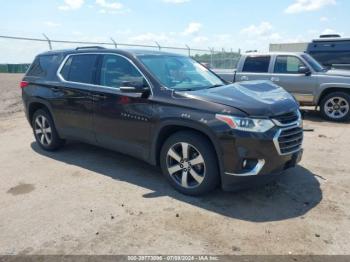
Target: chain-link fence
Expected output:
[22,50]
[219,60]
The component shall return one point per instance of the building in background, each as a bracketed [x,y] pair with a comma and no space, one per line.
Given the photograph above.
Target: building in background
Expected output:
[289,47]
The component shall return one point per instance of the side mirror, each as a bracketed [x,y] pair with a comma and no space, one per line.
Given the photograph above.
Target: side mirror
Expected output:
[304,70]
[139,87]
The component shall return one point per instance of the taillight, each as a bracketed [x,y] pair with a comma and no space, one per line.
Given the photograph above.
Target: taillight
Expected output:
[23,84]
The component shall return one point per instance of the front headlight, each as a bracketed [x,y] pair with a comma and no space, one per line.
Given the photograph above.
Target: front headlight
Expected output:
[246,124]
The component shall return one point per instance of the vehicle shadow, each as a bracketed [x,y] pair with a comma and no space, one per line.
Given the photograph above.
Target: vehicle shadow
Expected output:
[292,195]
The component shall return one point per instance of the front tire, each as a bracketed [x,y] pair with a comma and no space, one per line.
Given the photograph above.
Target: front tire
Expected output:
[336,106]
[189,162]
[45,131]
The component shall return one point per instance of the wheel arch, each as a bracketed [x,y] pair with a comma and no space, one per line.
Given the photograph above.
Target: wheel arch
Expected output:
[326,90]
[35,105]
[168,128]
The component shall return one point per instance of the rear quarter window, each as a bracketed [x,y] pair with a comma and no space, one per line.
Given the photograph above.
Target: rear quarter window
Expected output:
[80,69]
[256,64]
[42,65]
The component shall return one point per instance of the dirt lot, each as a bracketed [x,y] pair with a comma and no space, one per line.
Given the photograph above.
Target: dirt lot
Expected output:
[10,94]
[86,200]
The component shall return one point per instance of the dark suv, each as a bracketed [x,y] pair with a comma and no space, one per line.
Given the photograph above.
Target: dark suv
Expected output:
[331,52]
[167,110]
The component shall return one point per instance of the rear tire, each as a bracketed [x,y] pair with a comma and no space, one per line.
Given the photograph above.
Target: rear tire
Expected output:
[189,162]
[45,131]
[336,107]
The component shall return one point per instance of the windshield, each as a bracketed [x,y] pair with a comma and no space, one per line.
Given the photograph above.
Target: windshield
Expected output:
[180,72]
[313,63]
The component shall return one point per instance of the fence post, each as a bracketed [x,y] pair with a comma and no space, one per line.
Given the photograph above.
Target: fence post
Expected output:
[211,56]
[159,47]
[114,42]
[223,62]
[189,50]
[48,41]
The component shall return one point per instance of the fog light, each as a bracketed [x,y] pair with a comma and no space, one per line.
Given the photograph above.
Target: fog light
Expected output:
[248,164]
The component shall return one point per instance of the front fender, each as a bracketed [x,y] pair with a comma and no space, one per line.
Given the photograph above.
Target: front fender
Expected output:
[327,86]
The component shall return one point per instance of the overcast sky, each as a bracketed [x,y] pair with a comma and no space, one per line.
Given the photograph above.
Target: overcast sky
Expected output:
[248,24]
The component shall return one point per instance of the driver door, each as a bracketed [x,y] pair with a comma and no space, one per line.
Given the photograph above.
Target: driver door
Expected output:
[121,120]
[286,74]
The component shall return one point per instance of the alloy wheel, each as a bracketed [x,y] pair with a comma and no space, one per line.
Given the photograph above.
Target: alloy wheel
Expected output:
[336,107]
[43,130]
[185,165]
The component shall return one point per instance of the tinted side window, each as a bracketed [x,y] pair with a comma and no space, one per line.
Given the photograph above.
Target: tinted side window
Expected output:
[116,70]
[330,58]
[257,64]
[288,65]
[41,65]
[80,68]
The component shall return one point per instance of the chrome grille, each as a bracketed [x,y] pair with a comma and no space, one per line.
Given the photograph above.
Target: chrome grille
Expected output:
[287,119]
[289,140]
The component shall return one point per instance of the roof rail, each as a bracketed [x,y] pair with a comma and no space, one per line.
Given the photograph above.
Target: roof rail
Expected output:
[330,36]
[90,47]
[334,39]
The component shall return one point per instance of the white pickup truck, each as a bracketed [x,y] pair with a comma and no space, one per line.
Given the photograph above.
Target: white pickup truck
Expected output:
[300,74]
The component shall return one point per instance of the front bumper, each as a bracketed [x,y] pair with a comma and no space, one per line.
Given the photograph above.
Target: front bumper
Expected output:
[251,159]
[232,182]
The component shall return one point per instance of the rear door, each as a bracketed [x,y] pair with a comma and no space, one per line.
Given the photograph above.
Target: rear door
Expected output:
[254,67]
[286,74]
[72,104]
[121,120]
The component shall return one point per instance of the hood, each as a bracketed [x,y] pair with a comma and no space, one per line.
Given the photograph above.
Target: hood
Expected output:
[256,98]
[338,72]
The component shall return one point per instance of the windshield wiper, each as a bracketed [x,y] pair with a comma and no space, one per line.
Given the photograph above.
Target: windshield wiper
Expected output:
[217,85]
[197,88]
[183,89]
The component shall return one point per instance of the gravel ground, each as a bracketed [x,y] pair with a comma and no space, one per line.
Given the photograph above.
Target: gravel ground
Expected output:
[87,200]
[10,93]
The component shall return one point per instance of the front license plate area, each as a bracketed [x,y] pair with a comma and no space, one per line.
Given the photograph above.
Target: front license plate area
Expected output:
[297,157]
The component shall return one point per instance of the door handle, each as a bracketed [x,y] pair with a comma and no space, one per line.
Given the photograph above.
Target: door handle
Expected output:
[244,78]
[98,96]
[275,79]
[55,89]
